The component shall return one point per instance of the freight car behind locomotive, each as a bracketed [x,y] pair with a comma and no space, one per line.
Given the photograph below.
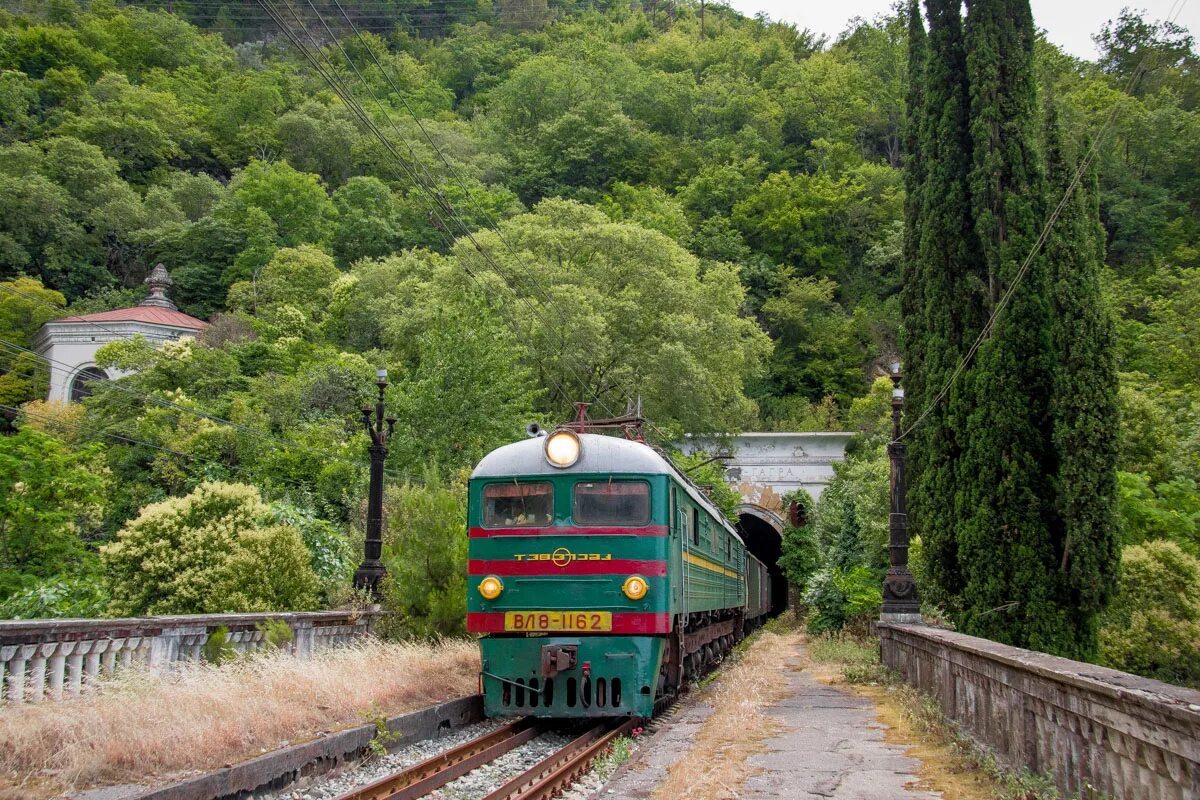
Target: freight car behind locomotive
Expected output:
[600,577]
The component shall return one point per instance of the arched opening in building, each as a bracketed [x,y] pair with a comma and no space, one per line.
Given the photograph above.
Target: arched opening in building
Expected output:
[81,385]
[762,531]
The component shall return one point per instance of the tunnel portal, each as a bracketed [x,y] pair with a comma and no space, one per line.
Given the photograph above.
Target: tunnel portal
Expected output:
[762,531]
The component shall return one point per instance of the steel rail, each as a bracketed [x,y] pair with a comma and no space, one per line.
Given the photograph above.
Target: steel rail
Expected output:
[558,771]
[435,772]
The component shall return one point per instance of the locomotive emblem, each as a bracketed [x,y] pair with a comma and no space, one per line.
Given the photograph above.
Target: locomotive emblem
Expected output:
[562,556]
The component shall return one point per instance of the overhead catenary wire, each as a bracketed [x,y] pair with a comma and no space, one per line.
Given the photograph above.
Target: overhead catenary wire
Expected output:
[1076,178]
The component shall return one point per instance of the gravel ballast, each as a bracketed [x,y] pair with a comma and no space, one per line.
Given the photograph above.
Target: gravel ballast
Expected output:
[476,784]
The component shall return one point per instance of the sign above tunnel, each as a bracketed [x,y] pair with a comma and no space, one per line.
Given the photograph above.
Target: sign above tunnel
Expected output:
[764,467]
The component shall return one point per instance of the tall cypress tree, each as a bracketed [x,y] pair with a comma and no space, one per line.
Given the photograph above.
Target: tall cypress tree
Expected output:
[939,308]
[1006,543]
[1084,398]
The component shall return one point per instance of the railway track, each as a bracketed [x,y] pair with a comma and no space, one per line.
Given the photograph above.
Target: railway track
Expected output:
[542,781]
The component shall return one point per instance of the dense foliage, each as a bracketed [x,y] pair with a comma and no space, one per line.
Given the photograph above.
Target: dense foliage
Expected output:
[575,202]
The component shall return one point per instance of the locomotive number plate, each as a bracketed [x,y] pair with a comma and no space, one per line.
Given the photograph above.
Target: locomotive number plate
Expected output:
[581,621]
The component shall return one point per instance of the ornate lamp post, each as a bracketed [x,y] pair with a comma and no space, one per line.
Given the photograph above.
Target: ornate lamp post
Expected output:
[371,571]
[900,600]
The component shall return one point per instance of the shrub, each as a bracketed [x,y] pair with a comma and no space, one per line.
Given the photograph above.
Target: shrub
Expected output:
[208,552]
[330,555]
[843,599]
[801,555]
[426,556]
[1152,627]
[276,633]
[217,649]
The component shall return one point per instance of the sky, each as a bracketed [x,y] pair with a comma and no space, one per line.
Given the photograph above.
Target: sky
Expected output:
[1068,23]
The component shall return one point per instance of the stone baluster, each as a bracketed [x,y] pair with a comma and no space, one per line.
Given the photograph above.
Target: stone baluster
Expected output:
[92,664]
[129,649]
[302,642]
[109,662]
[75,667]
[17,663]
[35,684]
[57,664]
[143,651]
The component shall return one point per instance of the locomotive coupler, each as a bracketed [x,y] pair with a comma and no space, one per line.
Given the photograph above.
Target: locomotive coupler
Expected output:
[557,658]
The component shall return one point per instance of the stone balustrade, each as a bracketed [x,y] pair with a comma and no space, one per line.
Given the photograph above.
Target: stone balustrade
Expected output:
[56,658]
[1095,731]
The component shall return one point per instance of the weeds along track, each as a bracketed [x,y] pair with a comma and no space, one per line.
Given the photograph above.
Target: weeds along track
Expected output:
[544,779]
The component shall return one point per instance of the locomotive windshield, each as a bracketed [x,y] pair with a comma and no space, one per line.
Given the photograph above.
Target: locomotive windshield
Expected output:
[518,505]
[612,503]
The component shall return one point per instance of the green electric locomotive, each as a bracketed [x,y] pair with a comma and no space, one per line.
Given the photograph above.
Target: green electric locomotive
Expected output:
[600,577]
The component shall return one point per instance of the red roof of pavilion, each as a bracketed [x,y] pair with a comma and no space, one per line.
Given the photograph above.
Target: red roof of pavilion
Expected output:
[150,314]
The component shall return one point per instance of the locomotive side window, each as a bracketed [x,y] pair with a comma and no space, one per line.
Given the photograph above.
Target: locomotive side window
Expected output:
[612,503]
[695,526]
[518,505]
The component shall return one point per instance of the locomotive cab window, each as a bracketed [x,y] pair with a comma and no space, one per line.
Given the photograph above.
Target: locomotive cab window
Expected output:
[612,503]
[518,505]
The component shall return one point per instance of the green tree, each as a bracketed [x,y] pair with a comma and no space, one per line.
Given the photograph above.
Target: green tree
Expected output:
[299,277]
[1009,556]
[469,392]
[25,305]
[1083,400]
[51,500]
[945,311]
[366,221]
[295,201]
[816,353]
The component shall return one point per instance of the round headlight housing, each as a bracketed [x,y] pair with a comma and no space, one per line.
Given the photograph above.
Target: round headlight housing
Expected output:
[490,587]
[563,448]
[635,587]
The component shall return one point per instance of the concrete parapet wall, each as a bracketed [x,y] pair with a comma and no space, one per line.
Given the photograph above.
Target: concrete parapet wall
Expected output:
[1085,726]
[48,659]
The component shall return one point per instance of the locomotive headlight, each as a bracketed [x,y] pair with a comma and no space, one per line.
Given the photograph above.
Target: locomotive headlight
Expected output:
[562,448]
[635,587]
[490,587]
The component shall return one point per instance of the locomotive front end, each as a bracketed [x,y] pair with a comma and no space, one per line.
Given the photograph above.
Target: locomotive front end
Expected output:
[568,576]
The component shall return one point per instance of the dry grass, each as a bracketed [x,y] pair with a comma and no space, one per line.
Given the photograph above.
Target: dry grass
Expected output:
[205,717]
[716,764]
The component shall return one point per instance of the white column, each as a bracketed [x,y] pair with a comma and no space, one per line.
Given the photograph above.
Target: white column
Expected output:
[75,667]
[16,672]
[92,668]
[58,666]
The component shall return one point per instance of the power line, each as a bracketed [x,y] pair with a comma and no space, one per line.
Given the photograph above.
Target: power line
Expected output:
[492,224]
[989,326]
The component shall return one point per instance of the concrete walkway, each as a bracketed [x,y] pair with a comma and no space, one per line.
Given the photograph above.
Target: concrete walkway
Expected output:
[830,746]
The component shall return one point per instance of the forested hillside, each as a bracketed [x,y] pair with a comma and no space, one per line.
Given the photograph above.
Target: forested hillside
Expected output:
[568,201]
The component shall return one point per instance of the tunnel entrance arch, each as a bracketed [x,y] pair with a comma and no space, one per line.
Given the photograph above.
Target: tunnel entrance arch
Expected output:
[762,531]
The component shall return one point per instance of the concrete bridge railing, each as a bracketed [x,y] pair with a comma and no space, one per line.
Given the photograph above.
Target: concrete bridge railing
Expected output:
[56,658]
[1091,729]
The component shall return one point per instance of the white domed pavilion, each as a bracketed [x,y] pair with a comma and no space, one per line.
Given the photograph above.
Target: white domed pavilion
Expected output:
[69,344]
